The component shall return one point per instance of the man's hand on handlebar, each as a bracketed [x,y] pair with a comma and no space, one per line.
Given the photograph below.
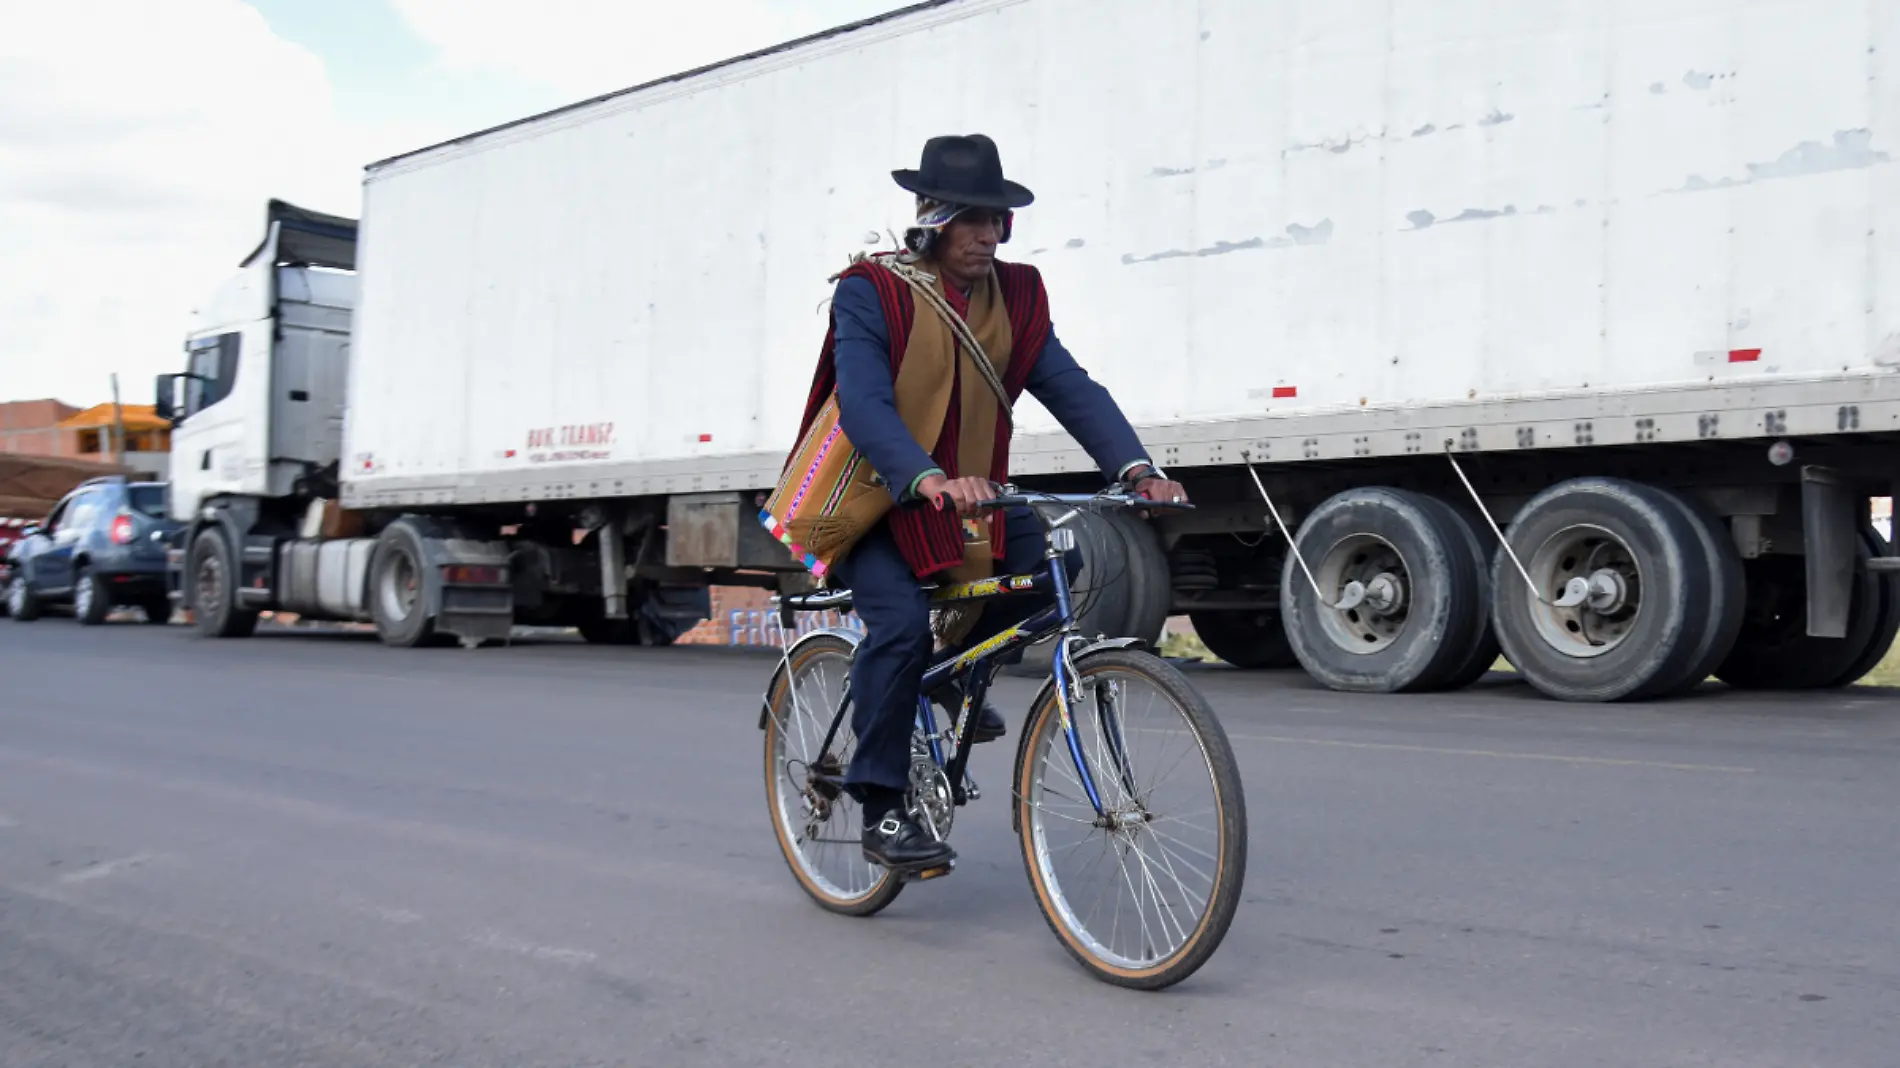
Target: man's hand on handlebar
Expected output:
[1163,490]
[963,494]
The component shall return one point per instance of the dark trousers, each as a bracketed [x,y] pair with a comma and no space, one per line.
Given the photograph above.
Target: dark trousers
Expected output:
[890,664]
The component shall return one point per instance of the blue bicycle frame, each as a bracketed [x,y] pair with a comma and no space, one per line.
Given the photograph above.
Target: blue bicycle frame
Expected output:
[976,665]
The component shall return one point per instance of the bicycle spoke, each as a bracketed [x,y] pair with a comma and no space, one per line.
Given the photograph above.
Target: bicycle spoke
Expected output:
[1163,912]
[1165,861]
[1171,858]
[1060,816]
[1095,863]
[1189,750]
[1184,845]
[1141,914]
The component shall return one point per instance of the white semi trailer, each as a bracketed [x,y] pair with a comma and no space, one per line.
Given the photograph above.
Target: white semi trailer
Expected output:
[1622,279]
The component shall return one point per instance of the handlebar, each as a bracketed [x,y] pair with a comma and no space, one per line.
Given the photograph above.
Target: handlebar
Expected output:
[1120,498]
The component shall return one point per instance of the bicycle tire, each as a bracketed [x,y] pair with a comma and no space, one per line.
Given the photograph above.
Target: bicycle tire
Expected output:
[1230,855]
[885,885]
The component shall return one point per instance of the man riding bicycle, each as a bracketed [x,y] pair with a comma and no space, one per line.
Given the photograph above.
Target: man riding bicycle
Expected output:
[927,352]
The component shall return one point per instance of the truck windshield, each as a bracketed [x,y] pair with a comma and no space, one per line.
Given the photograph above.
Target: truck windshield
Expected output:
[147,500]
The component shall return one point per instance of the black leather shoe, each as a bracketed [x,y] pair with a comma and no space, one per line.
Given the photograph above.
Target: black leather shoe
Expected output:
[898,843]
[989,722]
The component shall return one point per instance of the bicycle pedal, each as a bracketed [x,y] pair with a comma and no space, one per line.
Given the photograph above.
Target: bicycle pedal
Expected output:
[937,872]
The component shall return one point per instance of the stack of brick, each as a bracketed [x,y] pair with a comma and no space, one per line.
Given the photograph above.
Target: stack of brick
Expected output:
[743,615]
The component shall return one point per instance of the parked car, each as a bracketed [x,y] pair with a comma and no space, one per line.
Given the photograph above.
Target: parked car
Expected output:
[11,530]
[102,546]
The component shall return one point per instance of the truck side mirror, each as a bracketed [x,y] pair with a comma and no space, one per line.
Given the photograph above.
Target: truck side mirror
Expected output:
[164,400]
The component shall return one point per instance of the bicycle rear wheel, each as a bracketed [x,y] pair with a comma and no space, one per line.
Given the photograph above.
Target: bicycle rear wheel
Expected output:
[820,835]
[1143,895]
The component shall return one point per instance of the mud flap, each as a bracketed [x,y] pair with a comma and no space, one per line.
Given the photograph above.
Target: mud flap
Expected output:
[1830,523]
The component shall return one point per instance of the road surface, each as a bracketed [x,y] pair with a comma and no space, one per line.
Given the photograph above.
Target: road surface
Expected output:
[311,850]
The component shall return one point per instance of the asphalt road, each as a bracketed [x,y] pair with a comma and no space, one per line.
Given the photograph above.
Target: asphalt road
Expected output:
[311,850]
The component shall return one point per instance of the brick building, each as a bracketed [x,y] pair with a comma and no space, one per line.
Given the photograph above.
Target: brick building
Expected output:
[32,427]
[53,428]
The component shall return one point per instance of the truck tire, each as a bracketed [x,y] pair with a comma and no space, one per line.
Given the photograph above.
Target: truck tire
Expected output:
[22,604]
[1098,592]
[1480,544]
[1728,589]
[1248,640]
[1101,586]
[92,598]
[1416,622]
[212,574]
[1775,651]
[1632,639]
[398,591]
[1149,586]
[1887,622]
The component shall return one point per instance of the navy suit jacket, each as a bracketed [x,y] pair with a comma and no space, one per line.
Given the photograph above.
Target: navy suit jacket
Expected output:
[867,399]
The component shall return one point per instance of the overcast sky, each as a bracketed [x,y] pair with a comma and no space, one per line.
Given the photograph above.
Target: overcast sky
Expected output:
[140,139]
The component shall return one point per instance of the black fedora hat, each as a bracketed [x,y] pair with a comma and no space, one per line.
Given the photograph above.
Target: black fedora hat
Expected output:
[964,170]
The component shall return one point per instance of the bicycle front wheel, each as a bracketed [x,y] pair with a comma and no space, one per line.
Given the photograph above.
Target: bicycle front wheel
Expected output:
[818,828]
[1142,892]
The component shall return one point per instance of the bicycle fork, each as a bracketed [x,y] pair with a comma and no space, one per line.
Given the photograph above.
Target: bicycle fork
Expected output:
[1069,689]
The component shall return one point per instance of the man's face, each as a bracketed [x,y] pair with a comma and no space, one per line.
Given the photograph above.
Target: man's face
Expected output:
[967,246]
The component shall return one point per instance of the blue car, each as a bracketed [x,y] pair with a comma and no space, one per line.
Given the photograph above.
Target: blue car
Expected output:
[103,546]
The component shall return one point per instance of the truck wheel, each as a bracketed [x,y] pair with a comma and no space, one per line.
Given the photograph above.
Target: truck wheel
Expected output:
[22,605]
[1775,651]
[1480,544]
[1101,587]
[1249,640]
[398,596]
[92,601]
[1728,589]
[213,573]
[1642,624]
[1401,593]
[1149,586]
[1886,622]
[1099,592]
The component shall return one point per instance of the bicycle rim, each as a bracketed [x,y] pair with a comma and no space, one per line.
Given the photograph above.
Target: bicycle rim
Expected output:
[821,838]
[1143,895]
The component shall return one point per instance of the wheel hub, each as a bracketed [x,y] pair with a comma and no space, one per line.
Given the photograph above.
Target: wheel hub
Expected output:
[210,583]
[1385,594]
[1372,594]
[1605,591]
[1594,591]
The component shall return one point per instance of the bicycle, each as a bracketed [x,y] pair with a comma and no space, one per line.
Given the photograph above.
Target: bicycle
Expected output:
[1079,759]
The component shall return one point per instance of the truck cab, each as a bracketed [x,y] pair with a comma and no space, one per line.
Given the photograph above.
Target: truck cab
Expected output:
[258,411]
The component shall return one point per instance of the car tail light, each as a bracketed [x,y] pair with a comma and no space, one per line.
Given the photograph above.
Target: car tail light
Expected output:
[122,530]
[472,575]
